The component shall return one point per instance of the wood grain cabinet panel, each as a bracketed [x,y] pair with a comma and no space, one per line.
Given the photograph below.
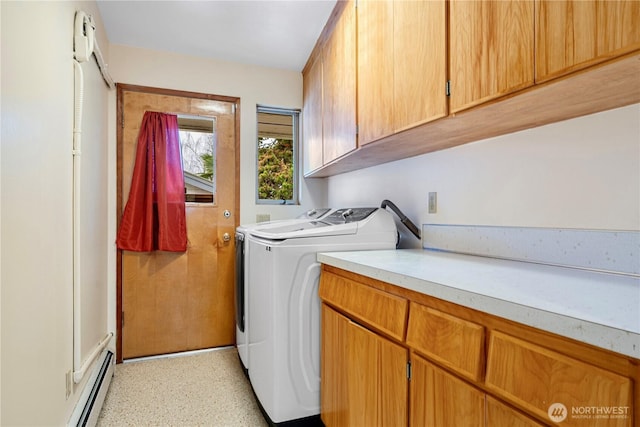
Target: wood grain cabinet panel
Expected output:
[491,50]
[339,87]
[455,343]
[401,66]
[440,399]
[312,120]
[380,310]
[334,401]
[534,378]
[377,380]
[501,415]
[420,62]
[375,70]
[363,375]
[574,34]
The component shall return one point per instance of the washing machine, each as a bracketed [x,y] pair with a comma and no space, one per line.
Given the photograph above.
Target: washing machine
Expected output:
[242,263]
[284,306]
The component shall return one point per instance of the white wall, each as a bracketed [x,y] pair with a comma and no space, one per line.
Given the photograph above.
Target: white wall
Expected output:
[36,189]
[580,173]
[252,84]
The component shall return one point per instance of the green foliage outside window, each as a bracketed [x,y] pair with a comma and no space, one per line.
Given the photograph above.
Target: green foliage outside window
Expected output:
[275,169]
[207,164]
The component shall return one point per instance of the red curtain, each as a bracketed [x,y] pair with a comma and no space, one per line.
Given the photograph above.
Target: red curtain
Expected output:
[154,216]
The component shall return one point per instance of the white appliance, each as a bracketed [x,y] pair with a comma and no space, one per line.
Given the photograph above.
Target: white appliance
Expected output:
[242,263]
[284,307]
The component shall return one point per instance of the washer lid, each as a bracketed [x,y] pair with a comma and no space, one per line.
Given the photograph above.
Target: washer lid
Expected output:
[339,222]
[305,229]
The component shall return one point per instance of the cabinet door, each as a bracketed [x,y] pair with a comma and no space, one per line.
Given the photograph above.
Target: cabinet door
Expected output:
[573,34]
[363,376]
[440,399]
[500,415]
[339,88]
[312,117]
[420,62]
[334,403]
[377,380]
[491,50]
[375,70]
[535,377]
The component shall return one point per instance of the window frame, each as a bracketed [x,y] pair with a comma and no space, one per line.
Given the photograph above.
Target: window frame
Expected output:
[295,119]
[196,198]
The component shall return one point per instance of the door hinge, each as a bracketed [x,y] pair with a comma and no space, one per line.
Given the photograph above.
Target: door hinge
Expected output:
[448,88]
[357,130]
[122,322]
[409,370]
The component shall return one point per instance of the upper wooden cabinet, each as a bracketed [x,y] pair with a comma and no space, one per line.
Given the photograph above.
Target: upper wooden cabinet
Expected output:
[401,65]
[375,70]
[490,50]
[512,65]
[312,120]
[420,62]
[339,87]
[573,34]
[329,92]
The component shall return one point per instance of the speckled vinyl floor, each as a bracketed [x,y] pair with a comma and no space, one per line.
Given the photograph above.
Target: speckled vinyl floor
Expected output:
[203,389]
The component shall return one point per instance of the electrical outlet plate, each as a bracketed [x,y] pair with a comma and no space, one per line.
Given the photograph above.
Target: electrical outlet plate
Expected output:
[264,217]
[433,202]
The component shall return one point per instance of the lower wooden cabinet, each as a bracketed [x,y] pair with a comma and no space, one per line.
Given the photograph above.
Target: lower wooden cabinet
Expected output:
[522,377]
[363,375]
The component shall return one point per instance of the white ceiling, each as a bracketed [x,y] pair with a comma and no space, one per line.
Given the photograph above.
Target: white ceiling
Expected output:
[270,33]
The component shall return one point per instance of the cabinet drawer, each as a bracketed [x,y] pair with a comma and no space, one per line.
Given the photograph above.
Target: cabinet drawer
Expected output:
[380,310]
[453,342]
[536,378]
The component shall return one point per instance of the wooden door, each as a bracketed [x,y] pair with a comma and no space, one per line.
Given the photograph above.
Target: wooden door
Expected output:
[440,399]
[490,50]
[172,302]
[573,34]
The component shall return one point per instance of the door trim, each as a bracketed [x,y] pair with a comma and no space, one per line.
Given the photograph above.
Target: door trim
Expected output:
[121,88]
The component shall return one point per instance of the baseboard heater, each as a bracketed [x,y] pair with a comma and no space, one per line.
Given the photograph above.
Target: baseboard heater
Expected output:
[90,403]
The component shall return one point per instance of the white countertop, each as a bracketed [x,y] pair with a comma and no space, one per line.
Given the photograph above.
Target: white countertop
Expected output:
[601,309]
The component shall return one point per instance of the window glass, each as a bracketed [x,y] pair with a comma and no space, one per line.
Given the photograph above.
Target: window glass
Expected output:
[277,152]
[198,144]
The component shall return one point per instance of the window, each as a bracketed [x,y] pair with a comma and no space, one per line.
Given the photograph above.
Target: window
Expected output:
[198,146]
[277,155]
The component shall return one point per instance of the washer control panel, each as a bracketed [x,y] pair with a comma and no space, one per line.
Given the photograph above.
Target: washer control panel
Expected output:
[341,216]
